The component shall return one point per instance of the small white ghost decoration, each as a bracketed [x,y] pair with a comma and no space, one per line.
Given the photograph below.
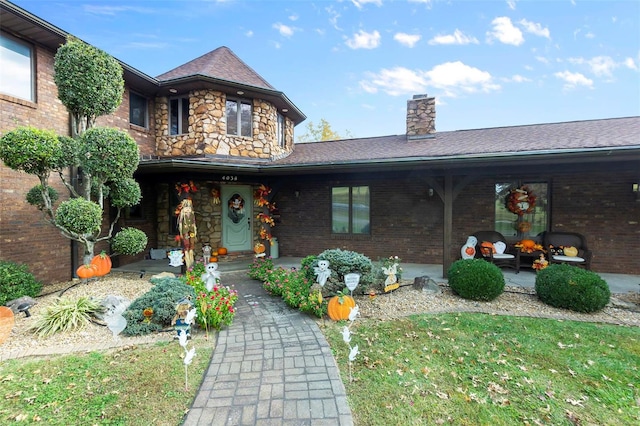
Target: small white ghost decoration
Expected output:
[322,272]
[175,258]
[212,276]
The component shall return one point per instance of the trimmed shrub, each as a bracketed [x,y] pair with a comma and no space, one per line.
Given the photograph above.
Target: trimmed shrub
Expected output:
[129,241]
[16,281]
[476,279]
[570,287]
[342,262]
[162,298]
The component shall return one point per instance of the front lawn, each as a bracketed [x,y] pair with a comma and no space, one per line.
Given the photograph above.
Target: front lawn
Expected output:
[470,369]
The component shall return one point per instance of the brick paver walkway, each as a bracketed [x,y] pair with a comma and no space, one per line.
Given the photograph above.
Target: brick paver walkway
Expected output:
[272,366]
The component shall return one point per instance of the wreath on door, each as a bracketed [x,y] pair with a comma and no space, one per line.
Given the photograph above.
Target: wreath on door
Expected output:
[236,208]
[521,200]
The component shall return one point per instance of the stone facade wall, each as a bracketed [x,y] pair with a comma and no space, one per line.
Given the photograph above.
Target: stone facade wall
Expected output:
[421,116]
[207,133]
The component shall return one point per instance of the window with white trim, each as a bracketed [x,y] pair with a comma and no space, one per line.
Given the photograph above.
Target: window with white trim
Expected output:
[179,116]
[17,74]
[350,210]
[238,117]
[138,110]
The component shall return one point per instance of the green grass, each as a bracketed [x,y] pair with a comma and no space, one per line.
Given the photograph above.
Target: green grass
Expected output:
[127,386]
[477,369]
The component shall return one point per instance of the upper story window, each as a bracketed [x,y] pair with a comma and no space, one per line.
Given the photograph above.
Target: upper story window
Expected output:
[350,209]
[280,131]
[529,224]
[138,113]
[179,116]
[238,117]
[17,76]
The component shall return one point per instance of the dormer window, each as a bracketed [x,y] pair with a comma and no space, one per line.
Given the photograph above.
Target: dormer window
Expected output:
[179,116]
[238,117]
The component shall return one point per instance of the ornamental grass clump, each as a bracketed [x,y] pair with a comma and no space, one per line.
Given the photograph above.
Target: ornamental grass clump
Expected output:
[66,314]
[476,279]
[570,287]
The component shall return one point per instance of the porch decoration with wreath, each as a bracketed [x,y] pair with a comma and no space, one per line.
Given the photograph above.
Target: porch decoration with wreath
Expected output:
[187,230]
[521,200]
[265,217]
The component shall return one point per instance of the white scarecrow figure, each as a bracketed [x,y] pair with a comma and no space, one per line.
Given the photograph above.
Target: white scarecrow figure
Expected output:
[390,272]
[212,276]
[322,272]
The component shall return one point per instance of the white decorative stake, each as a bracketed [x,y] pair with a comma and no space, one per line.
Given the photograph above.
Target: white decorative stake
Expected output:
[322,272]
[175,258]
[351,281]
[468,251]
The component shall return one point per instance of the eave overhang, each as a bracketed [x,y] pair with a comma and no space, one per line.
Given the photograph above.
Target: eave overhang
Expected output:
[626,158]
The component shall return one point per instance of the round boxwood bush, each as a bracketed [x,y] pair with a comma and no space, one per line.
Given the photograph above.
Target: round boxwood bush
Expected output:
[16,281]
[570,287]
[476,279]
[129,241]
[341,262]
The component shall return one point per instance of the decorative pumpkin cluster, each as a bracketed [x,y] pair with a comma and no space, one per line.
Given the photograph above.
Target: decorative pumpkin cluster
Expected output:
[521,200]
[528,246]
[100,265]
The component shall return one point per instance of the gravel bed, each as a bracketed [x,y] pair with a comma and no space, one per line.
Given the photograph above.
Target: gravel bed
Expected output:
[401,302]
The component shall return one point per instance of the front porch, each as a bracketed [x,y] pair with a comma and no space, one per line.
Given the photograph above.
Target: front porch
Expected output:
[618,283]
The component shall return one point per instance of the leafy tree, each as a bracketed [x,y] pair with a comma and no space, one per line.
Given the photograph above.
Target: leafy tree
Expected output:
[90,84]
[320,132]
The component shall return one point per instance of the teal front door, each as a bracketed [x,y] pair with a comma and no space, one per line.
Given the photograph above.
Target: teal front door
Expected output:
[237,203]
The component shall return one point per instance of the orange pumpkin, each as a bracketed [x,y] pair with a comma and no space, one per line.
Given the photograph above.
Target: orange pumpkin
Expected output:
[528,244]
[6,323]
[222,251]
[259,248]
[86,271]
[487,247]
[213,259]
[470,251]
[340,306]
[103,264]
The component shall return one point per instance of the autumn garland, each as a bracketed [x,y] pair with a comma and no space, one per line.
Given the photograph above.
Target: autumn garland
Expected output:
[260,200]
[521,200]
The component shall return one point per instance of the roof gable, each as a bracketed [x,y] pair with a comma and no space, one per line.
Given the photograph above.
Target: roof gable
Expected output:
[221,64]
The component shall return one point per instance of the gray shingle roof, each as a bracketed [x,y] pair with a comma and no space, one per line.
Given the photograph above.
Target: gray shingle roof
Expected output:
[221,64]
[517,140]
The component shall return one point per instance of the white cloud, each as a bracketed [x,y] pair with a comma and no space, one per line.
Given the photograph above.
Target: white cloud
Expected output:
[364,40]
[427,2]
[630,63]
[458,37]
[249,33]
[360,3]
[408,40]
[600,66]
[333,17]
[293,17]
[511,4]
[283,29]
[451,78]
[573,79]
[517,78]
[542,59]
[505,32]
[456,76]
[535,28]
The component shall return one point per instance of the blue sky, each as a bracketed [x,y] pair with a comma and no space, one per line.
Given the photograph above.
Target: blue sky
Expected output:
[355,63]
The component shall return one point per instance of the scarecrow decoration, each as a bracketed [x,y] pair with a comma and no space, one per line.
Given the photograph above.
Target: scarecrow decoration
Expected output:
[187,230]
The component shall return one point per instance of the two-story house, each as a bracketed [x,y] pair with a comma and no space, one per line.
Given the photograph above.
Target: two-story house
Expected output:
[216,122]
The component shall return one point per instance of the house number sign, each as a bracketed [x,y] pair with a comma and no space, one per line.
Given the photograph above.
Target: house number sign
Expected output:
[229,178]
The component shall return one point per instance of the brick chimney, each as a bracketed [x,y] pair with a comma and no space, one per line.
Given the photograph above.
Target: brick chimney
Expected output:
[421,117]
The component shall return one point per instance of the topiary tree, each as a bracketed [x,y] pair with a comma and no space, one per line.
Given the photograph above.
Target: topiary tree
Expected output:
[476,279]
[102,159]
[570,287]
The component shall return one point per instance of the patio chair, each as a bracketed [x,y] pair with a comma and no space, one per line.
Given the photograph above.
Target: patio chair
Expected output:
[509,258]
[558,243]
